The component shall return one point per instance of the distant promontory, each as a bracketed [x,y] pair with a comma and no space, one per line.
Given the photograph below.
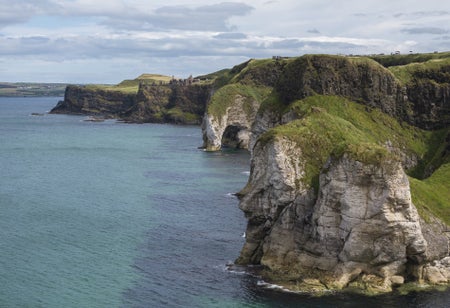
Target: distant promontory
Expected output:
[148,98]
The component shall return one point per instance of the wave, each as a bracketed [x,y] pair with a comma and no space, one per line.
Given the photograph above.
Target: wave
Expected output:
[272,286]
[231,195]
[236,269]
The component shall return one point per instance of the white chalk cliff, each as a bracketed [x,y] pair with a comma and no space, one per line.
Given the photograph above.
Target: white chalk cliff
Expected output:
[360,227]
[346,221]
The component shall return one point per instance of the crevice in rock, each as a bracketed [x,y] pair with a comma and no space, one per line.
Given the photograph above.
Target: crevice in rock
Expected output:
[235,137]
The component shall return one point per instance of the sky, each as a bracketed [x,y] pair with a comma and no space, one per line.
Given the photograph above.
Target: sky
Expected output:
[107,41]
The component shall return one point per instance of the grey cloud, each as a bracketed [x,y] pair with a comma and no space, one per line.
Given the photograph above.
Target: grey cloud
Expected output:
[424,30]
[296,43]
[231,36]
[430,13]
[213,17]
[313,31]
[422,14]
[13,12]
[88,47]
[33,40]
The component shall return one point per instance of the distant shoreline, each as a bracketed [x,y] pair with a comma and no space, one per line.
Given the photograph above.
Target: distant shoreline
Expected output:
[31,89]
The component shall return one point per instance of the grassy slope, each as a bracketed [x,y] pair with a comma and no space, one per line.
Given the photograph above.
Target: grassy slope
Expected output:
[132,86]
[225,96]
[331,125]
[400,60]
[433,194]
[405,72]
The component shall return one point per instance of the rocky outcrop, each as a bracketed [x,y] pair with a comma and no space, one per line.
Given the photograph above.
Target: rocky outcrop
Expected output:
[174,103]
[360,80]
[232,128]
[359,229]
[423,102]
[178,103]
[429,94]
[81,100]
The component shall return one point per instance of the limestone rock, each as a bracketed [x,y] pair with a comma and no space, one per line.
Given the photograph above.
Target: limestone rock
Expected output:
[361,226]
[232,128]
[437,272]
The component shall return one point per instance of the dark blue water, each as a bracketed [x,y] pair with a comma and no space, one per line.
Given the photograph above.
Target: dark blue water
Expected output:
[118,215]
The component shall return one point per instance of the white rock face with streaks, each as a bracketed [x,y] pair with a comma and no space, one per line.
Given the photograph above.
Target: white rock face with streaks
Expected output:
[237,121]
[361,227]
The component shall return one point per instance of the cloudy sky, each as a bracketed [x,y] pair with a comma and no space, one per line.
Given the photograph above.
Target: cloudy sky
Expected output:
[106,41]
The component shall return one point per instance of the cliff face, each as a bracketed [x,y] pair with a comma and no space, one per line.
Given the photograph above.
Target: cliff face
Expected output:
[230,116]
[360,229]
[79,100]
[174,103]
[360,80]
[329,202]
[423,101]
[429,92]
[171,103]
[231,129]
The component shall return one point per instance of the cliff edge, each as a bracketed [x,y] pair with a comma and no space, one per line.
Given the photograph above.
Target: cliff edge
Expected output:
[148,98]
[348,186]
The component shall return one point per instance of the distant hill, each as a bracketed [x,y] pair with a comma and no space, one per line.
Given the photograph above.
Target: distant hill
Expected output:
[16,89]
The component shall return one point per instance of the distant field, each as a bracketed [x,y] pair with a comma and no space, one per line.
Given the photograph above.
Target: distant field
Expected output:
[31,89]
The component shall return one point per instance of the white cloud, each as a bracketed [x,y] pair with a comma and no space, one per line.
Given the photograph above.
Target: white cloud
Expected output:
[109,39]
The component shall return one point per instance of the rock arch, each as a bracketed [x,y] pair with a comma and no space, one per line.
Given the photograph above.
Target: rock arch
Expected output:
[236,136]
[233,128]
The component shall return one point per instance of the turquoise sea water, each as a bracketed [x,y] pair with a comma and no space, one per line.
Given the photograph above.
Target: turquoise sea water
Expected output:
[121,215]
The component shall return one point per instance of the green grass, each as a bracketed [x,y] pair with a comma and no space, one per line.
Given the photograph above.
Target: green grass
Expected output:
[433,194]
[396,60]
[376,125]
[331,126]
[126,88]
[155,78]
[405,73]
[178,116]
[131,86]
[225,97]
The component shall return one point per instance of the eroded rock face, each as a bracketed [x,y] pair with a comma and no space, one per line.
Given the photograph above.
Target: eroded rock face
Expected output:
[80,100]
[423,103]
[360,228]
[152,103]
[272,186]
[236,117]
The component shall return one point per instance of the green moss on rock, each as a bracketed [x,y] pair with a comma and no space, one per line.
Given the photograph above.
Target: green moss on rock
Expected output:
[225,97]
[334,126]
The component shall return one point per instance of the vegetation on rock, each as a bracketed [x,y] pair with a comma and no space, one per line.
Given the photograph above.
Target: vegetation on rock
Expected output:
[148,98]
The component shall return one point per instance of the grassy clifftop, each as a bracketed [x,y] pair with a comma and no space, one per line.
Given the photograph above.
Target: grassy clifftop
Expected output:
[331,125]
[131,86]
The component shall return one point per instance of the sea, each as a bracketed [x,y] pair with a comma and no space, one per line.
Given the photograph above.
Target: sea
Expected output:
[108,214]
